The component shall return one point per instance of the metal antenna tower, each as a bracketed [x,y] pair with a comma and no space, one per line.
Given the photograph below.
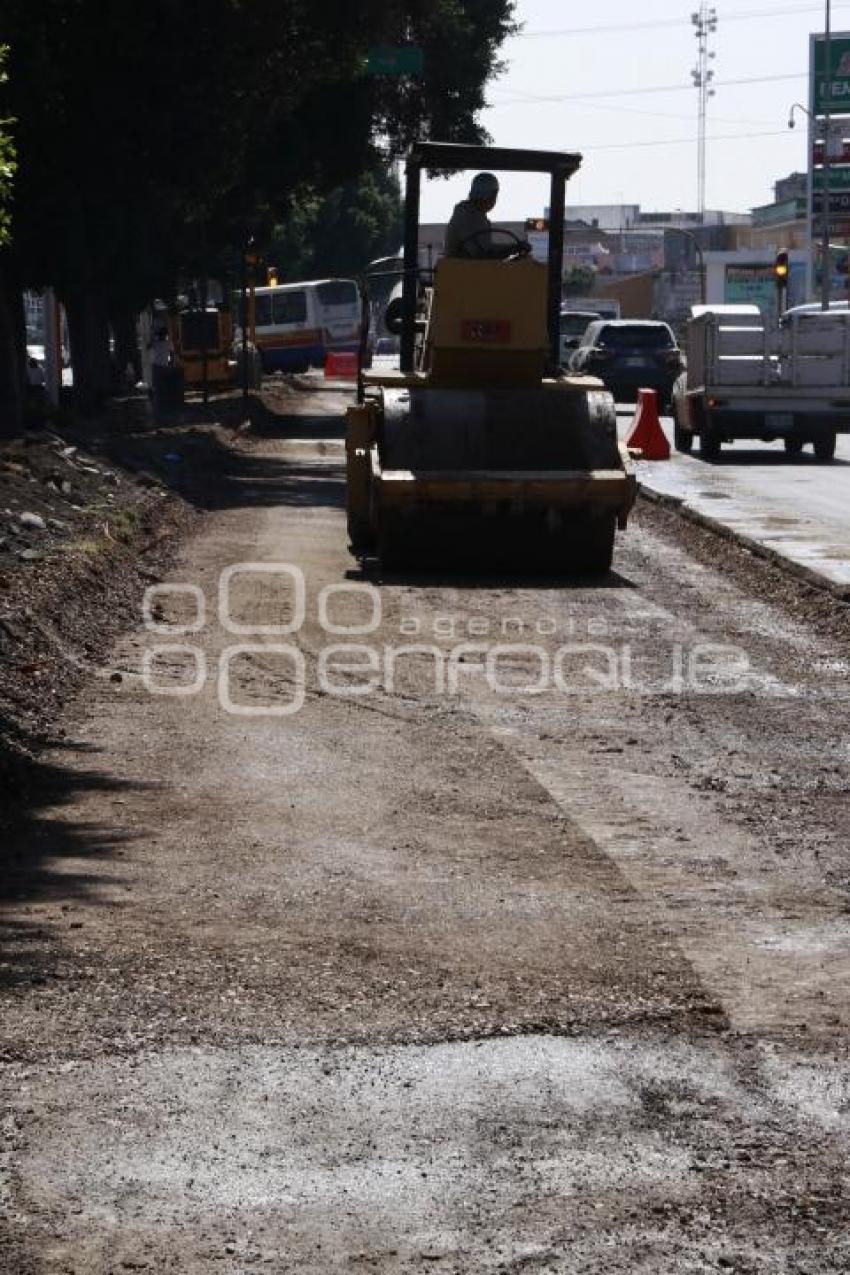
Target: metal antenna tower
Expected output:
[705,25]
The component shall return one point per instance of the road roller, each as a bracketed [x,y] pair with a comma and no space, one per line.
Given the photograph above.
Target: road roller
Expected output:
[479,442]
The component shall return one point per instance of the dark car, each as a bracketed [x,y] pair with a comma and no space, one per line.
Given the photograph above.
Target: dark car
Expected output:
[629,355]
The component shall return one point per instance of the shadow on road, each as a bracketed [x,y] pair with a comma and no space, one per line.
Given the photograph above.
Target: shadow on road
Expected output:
[264,481]
[45,858]
[491,576]
[731,457]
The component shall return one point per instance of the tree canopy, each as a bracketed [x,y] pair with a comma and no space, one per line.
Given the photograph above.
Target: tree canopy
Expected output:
[7,162]
[338,233]
[151,136]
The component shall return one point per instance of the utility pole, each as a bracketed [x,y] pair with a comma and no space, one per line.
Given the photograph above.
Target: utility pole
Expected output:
[705,24]
[243,288]
[826,265]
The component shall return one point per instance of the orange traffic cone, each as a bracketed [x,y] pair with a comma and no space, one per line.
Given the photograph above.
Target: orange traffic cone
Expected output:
[647,433]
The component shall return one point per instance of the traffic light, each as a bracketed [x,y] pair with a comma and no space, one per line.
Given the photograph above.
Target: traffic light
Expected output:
[780,274]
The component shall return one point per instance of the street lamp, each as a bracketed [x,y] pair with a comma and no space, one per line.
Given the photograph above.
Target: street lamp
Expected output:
[798,106]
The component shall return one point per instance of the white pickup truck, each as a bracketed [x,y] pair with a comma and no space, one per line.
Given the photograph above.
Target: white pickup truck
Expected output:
[748,378]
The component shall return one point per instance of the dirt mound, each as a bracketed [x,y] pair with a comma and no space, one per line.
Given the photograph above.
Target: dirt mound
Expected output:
[89,515]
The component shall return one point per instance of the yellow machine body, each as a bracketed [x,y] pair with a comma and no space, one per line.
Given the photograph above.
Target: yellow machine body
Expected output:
[483,438]
[191,331]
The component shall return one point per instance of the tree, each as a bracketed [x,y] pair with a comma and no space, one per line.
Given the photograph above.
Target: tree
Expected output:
[11,387]
[7,161]
[152,136]
[579,281]
[358,222]
[339,234]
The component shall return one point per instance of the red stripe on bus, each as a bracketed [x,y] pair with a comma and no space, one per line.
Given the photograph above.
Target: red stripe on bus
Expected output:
[278,340]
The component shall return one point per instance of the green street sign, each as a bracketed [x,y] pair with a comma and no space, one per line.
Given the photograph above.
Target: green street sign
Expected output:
[839,178]
[403,59]
[830,95]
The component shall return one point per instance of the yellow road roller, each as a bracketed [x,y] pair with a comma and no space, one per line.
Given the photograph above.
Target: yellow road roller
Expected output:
[479,441]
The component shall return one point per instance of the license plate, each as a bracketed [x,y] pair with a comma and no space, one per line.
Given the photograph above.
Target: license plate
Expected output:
[635,362]
[779,421]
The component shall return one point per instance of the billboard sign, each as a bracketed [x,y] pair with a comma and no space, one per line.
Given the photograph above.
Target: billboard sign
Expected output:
[830,94]
[839,179]
[839,205]
[755,284]
[837,154]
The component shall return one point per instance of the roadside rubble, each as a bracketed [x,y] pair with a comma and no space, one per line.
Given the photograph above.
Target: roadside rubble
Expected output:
[79,536]
[90,513]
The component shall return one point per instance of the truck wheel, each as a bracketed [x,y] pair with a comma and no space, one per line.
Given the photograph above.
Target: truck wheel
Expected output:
[825,446]
[709,442]
[793,446]
[683,440]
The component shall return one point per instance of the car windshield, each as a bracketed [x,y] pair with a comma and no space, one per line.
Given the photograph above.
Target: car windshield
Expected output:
[636,336]
[575,324]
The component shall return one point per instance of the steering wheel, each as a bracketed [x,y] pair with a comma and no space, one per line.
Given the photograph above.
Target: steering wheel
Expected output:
[523,247]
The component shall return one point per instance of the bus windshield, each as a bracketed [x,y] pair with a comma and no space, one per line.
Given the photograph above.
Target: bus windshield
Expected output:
[337,292]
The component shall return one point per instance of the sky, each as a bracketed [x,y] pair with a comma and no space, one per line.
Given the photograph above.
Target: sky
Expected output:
[584,78]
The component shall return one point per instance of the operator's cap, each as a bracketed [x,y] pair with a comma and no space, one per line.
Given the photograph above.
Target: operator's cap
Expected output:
[484,186]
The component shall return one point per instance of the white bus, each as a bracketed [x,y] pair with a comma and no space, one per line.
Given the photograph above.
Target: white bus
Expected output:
[298,323]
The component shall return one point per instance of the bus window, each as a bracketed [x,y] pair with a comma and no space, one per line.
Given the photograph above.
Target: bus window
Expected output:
[289,307]
[263,310]
[337,292]
[339,313]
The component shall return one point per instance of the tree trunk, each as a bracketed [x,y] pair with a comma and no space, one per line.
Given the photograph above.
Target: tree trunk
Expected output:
[126,345]
[88,328]
[12,351]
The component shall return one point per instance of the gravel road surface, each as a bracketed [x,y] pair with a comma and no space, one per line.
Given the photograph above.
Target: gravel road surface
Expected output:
[449,923]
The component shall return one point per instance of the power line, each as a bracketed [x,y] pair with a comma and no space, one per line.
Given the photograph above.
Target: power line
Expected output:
[657,88]
[742,15]
[529,99]
[684,141]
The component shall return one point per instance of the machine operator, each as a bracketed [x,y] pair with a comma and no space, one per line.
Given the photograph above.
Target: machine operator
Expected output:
[469,233]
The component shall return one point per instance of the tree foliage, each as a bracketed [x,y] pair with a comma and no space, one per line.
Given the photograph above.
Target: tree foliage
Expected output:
[152,136]
[580,281]
[336,235]
[7,161]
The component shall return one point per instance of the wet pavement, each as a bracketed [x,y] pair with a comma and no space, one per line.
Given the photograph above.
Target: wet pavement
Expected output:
[795,508]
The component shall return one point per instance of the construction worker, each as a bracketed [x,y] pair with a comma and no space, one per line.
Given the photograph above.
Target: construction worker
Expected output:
[469,233]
